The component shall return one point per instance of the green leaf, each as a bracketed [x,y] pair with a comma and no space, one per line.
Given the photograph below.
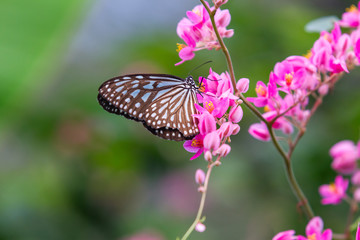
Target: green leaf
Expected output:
[321,24]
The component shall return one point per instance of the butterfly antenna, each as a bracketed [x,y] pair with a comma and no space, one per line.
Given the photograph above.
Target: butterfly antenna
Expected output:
[211,79]
[199,66]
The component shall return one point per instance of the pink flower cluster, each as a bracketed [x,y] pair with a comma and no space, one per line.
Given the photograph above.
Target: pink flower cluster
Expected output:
[314,231]
[216,124]
[333,193]
[197,32]
[345,155]
[286,95]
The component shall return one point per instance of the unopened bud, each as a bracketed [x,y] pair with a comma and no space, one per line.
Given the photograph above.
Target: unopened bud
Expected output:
[208,156]
[324,89]
[200,177]
[201,189]
[243,85]
[236,114]
[357,195]
[200,227]
[212,141]
[223,150]
[355,179]
[218,3]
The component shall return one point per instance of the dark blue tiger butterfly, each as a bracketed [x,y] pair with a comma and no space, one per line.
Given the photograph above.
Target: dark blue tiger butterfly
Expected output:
[163,103]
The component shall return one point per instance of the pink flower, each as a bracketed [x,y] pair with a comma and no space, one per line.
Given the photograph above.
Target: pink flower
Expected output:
[215,101]
[186,51]
[344,154]
[195,146]
[314,230]
[337,65]
[321,52]
[286,76]
[333,193]
[259,131]
[357,50]
[357,237]
[217,106]
[265,94]
[217,83]
[351,17]
[286,235]
[197,32]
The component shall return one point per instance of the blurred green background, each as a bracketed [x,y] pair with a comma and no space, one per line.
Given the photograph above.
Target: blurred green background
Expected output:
[70,170]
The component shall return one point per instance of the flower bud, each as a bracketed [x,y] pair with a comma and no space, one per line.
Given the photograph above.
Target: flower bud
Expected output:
[324,89]
[200,177]
[259,131]
[212,141]
[207,123]
[227,129]
[208,156]
[243,85]
[218,3]
[357,195]
[355,179]
[200,227]
[236,114]
[223,150]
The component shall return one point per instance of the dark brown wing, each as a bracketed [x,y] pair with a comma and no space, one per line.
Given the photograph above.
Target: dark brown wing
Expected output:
[163,103]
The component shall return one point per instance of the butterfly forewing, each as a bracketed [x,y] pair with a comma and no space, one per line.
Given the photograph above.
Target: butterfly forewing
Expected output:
[163,103]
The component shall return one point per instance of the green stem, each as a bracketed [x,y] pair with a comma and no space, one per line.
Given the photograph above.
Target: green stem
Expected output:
[292,180]
[202,202]
[229,61]
[291,177]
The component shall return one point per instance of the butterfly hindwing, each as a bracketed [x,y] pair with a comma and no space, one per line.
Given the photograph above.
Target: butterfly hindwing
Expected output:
[163,103]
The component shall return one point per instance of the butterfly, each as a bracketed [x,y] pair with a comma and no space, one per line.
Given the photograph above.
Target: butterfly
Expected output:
[164,103]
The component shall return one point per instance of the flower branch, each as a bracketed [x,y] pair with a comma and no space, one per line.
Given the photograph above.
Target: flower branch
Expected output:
[202,201]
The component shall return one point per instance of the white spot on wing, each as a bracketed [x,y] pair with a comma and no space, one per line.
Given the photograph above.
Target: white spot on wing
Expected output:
[145,97]
[135,93]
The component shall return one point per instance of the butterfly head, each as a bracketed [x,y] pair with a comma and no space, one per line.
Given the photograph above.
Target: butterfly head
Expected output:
[190,81]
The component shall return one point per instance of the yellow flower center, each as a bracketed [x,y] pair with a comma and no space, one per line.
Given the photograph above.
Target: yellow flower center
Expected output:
[327,37]
[180,46]
[202,87]
[260,90]
[288,78]
[333,188]
[209,106]
[267,108]
[196,143]
[352,8]
[308,54]
[312,237]
[197,11]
